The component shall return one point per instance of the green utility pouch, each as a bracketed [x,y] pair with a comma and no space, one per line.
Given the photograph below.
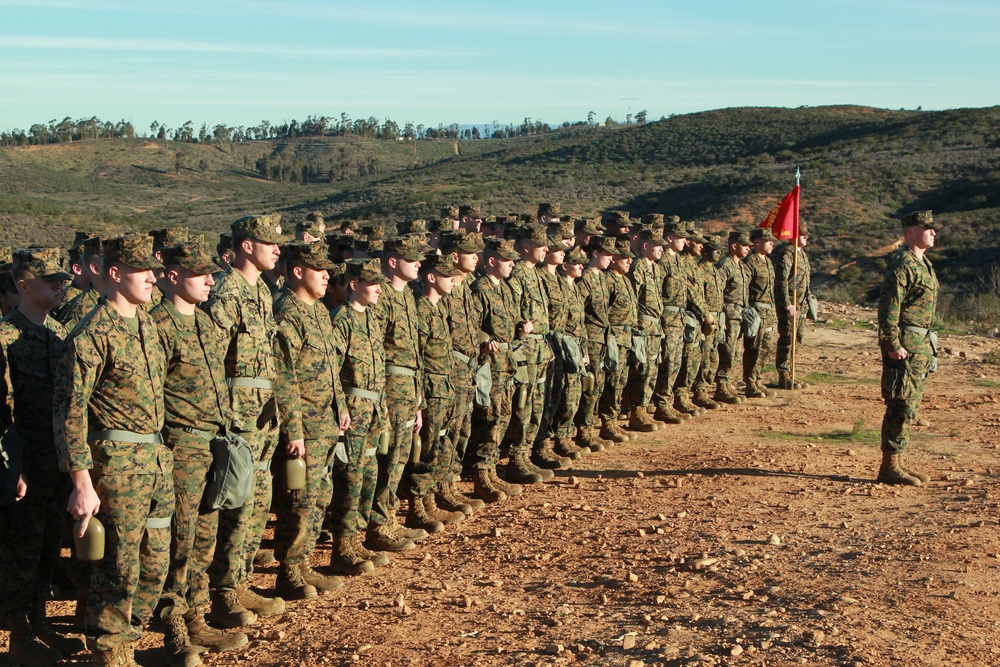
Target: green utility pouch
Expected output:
[484,385]
[751,322]
[230,480]
[639,345]
[812,308]
[691,326]
[611,359]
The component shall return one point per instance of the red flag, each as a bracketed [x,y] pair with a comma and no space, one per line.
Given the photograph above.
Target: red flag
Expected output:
[784,218]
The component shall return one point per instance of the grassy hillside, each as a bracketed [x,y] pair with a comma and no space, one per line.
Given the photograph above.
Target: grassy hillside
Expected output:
[861,168]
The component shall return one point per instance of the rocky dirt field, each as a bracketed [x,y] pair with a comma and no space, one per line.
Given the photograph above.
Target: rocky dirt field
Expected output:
[754,535]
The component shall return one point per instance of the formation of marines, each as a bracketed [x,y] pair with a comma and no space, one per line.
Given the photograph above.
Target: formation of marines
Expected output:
[171,394]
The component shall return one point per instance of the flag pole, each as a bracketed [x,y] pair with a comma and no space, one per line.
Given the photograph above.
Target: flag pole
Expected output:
[795,281]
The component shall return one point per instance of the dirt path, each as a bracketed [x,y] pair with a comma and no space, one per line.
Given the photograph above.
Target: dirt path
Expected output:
[750,536]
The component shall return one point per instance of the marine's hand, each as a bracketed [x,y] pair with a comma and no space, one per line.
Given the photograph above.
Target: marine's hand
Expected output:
[899,354]
[296,448]
[420,421]
[345,422]
[22,488]
[83,501]
[791,310]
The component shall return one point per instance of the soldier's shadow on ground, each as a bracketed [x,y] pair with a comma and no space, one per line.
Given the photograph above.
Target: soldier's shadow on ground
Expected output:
[710,472]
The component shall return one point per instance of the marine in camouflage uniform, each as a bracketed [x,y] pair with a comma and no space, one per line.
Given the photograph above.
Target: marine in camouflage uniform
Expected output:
[791,277]
[81,277]
[734,296]
[530,462]
[694,337]
[622,318]
[760,296]
[568,437]
[647,277]
[906,310]
[356,336]
[241,307]
[714,284]
[108,412]
[312,411]
[73,311]
[196,408]
[498,311]
[593,288]
[676,289]
[31,345]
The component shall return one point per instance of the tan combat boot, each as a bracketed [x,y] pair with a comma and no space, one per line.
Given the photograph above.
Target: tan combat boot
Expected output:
[484,489]
[682,403]
[666,414]
[610,431]
[461,498]
[566,448]
[543,457]
[383,537]
[724,393]
[703,400]
[415,534]
[180,651]
[24,647]
[227,610]
[324,583]
[47,634]
[587,439]
[638,420]
[257,603]
[201,633]
[417,516]
[891,473]
[520,471]
[447,501]
[122,655]
[291,585]
[344,560]
[377,558]
[442,515]
[511,489]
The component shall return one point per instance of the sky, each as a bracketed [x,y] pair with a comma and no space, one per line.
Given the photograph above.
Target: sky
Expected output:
[440,62]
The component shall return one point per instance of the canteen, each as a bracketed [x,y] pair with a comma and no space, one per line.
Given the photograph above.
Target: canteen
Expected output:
[90,547]
[383,441]
[294,471]
[521,396]
[588,382]
[417,448]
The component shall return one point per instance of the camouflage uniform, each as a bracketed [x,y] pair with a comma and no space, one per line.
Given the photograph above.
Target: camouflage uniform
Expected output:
[310,400]
[675,298]
[906,310]
[564,415]
[760,296]
[595,291]
[557,295]
[197,409]
[463,323]
[713,283]
[74,310]
[734,296]
[647,279]
[622,317]
[787,282]
[108,412]
[32,538]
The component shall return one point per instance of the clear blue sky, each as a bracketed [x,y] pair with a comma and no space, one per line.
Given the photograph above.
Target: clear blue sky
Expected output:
[238,62]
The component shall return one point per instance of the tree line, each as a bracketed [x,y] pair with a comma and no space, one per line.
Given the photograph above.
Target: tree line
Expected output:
[69,130]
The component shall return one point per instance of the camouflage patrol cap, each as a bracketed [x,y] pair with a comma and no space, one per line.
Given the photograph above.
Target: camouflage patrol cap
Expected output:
[694,234]
[623,248]
[374,231]
[715,243]
[441,225]
[341,241]
[191,256]
[617,219]
[168,235]
[226,240]
[370,247]
[132,250]
[418,226]
[40,262]
[442,264]
[740,237]
[576,256]
[676,229]
[196,238]
[803,229]
[591,226]
[262,228]
[652,236]
[79,241]
[672,219]
[534,234]
[6,255]
[503,248]
[551,209]
[450,212]
[315,216]
[653,220]
[923,219]
[463,242]
[470,211]
[365,270]
[350,225]
[761,234]
[529,219]
[410,247]
[603,244]
[311,227]
[315,255]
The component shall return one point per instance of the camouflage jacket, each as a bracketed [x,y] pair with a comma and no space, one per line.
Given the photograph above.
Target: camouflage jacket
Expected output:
[713,283]
[760,285]
[243,312]
[680,289]
[397,315]
[647,279]
[557,298]
[622,314]
[435,346]
[575,315]
[498,317]
[307,384]
[735,274]
[194,392]
[593,287]
[463,318]
[110,377]
[357,337]
[69,294]
[73,311]
[29,355]
[908,299]
[529,292]
[785,283]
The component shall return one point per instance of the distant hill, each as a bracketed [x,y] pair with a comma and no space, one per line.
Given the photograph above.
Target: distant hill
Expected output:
[861,169]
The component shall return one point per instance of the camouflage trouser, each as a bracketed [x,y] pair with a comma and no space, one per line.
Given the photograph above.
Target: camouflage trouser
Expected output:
[610,404]
[354,483]
[553,388]
[670,366]
[126,583]
[690,367]
[563,420]
[241,529]
[32,539]
[731,346]
[642,377]
[460,427]
[756,353]
[902,389]
[300,513]
[489,425]
[192,537]
[589,400]
[437,456]
[525,421]
[783,355]
[705,380]
[402,399]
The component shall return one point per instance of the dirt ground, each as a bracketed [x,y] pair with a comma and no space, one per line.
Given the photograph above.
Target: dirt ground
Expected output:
[753,535]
